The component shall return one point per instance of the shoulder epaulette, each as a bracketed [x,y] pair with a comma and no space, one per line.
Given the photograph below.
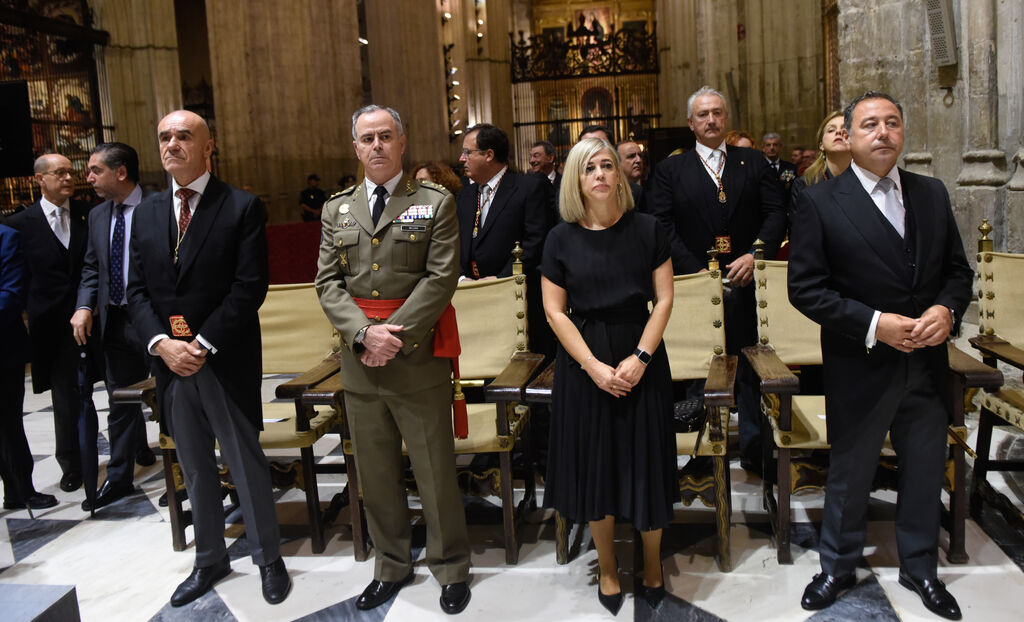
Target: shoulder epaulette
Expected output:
[348,190]
[433,186]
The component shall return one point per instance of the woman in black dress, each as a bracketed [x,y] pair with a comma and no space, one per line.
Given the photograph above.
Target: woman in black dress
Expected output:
[612,450]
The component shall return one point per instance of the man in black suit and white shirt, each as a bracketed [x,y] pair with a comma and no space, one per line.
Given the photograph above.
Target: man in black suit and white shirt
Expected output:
[501,208]
[724,197]
[877,260]
[114,174]
[53,240]
[771,144]
[198,277]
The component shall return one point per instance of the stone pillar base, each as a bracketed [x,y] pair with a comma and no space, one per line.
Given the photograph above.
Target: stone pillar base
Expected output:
[984,167]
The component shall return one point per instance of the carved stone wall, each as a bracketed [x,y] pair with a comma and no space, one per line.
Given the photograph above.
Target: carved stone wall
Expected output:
[964,121]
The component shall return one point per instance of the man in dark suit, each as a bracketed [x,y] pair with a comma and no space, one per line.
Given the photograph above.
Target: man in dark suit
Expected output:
[15,457]
[198,277]
[771,144]
[542,162]
[723,197]
[877,260]
[499,209]
[114,174]
[53,239]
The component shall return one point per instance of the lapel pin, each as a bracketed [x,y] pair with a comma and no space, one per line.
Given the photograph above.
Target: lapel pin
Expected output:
[343,209]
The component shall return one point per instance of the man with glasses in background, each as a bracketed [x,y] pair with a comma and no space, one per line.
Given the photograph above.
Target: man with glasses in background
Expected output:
[54,235]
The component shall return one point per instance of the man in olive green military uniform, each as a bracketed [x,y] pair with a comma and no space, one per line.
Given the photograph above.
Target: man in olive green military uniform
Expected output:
[394,241]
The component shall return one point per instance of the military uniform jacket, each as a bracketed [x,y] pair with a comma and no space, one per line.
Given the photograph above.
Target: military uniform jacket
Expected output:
[412,253]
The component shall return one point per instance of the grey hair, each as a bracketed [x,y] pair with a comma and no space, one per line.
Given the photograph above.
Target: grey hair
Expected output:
[375,108]
[770,135]
[704,90]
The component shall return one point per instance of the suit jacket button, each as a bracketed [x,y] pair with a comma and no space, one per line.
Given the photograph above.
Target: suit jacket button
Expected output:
[412,237]
[415,345]
[375,267]
[375,241]
[375,294]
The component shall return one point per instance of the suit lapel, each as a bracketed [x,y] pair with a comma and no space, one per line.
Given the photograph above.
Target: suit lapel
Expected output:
[200,225]
[732,178]
[101,235]
[701,189]
[502,195]
[862,212]
[359,209]
[915,210]
[163,214]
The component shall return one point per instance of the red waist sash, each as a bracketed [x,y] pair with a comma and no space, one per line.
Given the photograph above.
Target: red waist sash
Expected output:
[446,345]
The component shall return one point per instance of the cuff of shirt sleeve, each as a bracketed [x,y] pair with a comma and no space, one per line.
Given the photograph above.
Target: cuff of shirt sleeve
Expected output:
[870,339]
[153,341]
[206,344]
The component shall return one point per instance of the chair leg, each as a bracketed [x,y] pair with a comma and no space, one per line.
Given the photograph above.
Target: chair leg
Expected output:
[174,502]
[957,553]
[360,550]
[723,512]
[985,423]
[508,509]
[316,526]
[782,540]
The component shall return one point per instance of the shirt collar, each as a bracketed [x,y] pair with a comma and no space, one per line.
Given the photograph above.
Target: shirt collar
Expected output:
[49,208]
[869,180]
[551,175]
[134,197]
[705,152]
[389,185]
[773,162]
[493,181]
[198,185]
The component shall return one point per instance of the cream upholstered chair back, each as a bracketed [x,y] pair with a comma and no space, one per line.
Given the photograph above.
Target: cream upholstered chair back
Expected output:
[492,324]
[1001,295]
[296,333]
[695,331]
[796,339]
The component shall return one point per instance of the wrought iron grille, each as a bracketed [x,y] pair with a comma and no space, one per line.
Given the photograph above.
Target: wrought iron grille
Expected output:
[582,52]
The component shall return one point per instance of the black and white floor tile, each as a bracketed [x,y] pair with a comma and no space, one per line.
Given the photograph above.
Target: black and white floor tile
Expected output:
[122,567]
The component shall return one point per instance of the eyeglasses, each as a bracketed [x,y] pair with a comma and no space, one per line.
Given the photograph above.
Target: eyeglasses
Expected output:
[61,173]
[466,152]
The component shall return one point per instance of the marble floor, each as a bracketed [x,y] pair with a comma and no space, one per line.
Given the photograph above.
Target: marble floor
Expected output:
[123,568]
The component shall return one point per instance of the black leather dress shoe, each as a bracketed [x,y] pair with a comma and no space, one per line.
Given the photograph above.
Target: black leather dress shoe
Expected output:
[108,494]
[70,482]
[276,582]
[38,501]
[379,592]
[144,456]
[823,590]
[934,595]
[200,582]
[455,597]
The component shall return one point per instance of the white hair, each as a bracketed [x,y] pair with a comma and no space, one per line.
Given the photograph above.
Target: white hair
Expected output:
[704,90]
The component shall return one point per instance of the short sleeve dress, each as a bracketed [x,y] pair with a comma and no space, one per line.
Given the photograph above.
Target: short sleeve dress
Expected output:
[607,455]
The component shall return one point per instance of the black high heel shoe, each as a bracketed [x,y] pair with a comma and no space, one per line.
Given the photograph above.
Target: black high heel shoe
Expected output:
[611,602]
[653,595]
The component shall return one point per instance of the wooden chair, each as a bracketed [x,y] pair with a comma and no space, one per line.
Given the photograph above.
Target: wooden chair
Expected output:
[495,368]
[695,343]
[794,429]
[296,338]
[1001,339]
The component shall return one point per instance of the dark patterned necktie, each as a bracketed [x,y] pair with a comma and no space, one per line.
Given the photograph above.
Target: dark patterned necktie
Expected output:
[380,193]
[185,216]
[117,258]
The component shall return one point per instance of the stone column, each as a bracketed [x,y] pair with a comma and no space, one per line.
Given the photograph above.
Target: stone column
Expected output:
[286,80]
[677,58]
[142,75]
[407,72]
[488,77]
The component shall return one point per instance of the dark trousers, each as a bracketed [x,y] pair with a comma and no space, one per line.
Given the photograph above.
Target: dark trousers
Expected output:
[15,457]
[915,418]
[67,403]
[126,364]
[202,413]
[741,331]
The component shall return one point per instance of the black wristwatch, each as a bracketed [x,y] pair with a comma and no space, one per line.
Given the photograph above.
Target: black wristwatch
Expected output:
[644,357]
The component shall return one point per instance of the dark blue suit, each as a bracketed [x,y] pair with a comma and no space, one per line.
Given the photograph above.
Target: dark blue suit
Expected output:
[15,457]
[125,361]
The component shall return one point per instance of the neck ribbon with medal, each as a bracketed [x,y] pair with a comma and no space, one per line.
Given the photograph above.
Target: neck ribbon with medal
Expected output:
[476,221]
[723,243]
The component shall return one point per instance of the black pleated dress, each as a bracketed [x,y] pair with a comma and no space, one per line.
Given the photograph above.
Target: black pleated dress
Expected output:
[608,455]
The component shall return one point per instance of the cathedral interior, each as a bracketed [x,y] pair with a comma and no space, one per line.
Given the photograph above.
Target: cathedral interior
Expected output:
[278,82]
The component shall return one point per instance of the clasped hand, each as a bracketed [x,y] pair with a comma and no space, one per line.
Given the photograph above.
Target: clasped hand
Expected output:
[381,344]
[182,358]
[617,381]
[908,334]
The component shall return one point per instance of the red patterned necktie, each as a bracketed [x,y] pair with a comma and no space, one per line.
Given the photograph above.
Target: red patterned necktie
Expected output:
[185,215]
